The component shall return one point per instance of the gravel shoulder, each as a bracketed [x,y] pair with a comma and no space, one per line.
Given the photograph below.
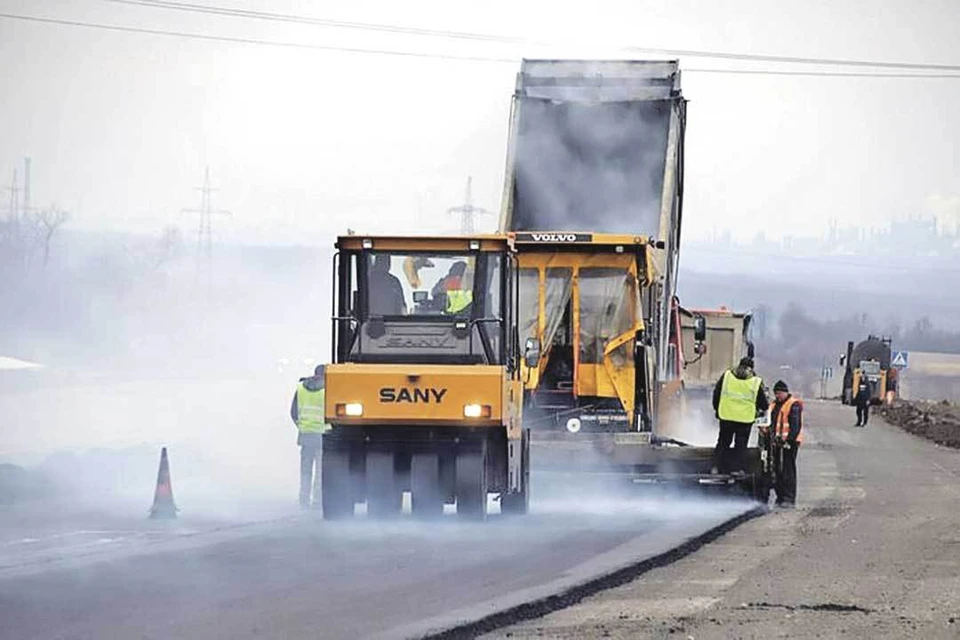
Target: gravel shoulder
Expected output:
[873,551]
[936,421]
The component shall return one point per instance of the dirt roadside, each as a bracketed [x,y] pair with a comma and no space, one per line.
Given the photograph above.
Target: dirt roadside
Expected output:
[873,551]
[936,421]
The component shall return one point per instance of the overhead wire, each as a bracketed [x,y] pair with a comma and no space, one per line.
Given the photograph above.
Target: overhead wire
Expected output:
[244,40]
[822,74]
[425,54]
[324,22]
[195,7]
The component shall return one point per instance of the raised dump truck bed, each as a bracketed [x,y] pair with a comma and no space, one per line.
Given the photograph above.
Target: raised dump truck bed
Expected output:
[597,146]
[595,171]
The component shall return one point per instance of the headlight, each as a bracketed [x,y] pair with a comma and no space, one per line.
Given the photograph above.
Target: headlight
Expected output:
[476,411]
[573,425]
[351,409]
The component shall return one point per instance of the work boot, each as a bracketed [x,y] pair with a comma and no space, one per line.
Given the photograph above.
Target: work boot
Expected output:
[857,425]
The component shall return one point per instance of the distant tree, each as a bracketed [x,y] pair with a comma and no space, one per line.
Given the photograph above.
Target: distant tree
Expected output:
[46,222]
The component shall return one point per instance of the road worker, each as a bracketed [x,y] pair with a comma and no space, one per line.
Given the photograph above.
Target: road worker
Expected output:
[307,412]
[455,289]
[786,421]
[738,398]
[862,401]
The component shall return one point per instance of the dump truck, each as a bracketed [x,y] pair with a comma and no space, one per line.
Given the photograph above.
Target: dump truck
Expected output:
[593,193]
[726,339]
[869,360]
[424,390]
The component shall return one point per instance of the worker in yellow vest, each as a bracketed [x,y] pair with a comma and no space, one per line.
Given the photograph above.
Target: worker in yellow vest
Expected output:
[307,412]
[738,398]
[455,290]
[786,420]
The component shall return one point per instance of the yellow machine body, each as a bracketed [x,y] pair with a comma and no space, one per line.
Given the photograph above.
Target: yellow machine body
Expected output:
[434,396]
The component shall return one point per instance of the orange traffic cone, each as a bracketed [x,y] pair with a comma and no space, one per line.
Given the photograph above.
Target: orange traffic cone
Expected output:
[163,506]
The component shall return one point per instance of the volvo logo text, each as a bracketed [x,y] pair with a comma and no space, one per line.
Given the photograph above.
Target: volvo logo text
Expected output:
[554,237]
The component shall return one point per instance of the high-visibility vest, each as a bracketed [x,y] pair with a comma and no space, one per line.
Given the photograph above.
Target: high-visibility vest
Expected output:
[310,408]
[458,300]
[781,427]
[738,398]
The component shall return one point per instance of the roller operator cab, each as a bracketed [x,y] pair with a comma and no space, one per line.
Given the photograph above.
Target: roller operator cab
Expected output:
[424,393]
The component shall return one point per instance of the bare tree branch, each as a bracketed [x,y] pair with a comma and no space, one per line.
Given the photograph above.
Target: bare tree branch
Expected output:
[48,221]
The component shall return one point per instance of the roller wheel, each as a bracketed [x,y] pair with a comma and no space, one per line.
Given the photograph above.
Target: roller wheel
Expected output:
[337,486]
[426,499]
[384,499]
[472,484]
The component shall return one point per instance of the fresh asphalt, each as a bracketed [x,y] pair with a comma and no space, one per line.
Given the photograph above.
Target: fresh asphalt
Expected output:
[90,575]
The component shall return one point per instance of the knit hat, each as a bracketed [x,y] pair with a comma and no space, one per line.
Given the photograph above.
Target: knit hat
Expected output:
[780,386]
[746,362]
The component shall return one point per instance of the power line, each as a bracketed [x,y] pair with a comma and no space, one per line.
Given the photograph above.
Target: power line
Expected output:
[238,40]
[427,55]
[824,74]
[324,22]
[441,33]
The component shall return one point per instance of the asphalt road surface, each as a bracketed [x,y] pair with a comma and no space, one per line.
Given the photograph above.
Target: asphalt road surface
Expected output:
[93,575]
[873,551]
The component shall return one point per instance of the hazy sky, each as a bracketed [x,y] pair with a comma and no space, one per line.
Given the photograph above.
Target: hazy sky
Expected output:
[303,143]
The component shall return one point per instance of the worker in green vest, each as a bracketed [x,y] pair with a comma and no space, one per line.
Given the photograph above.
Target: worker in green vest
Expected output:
[458,300]
[738,398]
[455,290]
[307,412]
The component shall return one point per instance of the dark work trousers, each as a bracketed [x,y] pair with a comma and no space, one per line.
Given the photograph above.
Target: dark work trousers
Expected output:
[863,414]
[739,434]
[311,445]
[786,486]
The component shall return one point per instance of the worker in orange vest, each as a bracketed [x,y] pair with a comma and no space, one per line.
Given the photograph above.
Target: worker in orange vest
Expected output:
[786,421]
